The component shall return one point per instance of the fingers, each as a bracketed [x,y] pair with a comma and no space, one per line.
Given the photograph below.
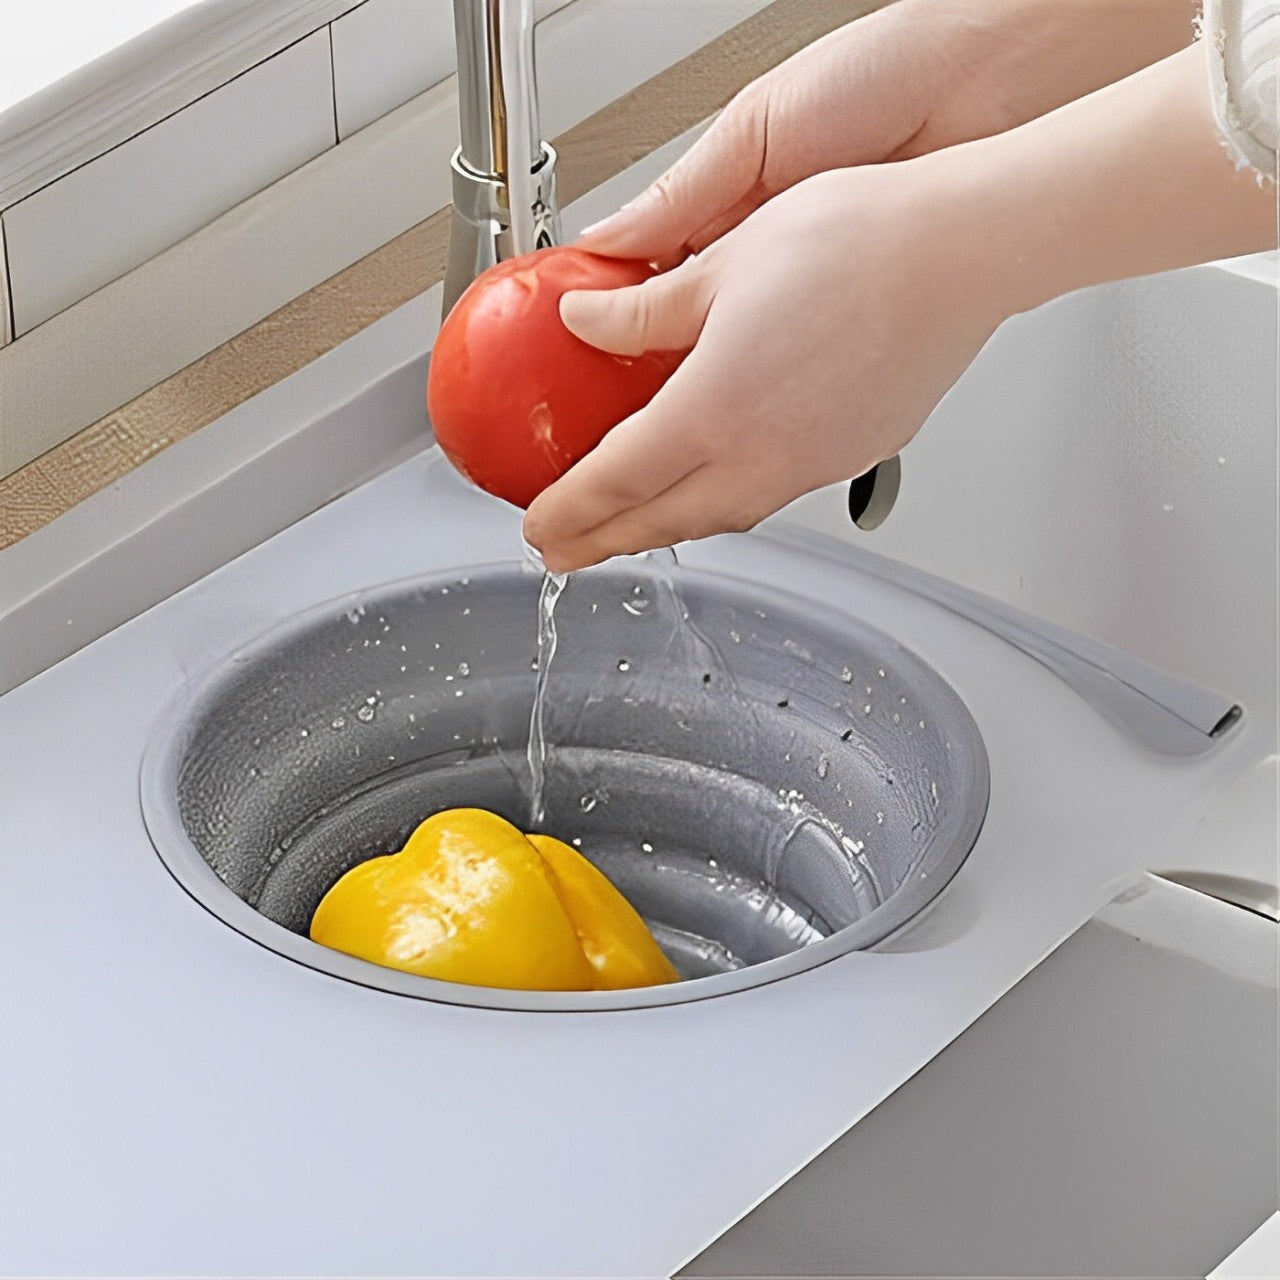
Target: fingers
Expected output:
[665,313]
[655,448]
[719,173]
[703,502]
[638,460]
[668,473]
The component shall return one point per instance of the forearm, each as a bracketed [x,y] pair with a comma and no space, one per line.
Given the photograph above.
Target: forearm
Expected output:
[1005,62]
[1131,180]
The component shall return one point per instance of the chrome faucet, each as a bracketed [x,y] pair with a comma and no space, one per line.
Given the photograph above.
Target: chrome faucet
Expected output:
[504,196]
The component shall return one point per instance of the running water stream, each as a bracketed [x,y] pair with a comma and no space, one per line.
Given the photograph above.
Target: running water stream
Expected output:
[553,585]
[643,653]
[658,563]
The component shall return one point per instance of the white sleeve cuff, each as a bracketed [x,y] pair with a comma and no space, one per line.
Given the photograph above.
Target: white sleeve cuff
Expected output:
[1243,39]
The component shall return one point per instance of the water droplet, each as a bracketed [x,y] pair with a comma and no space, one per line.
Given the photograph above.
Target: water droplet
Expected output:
[457,693]
[713,864]
[637,603]
[466,611]
[1222,462]
[403,667]
[253,771]
[646,846]
[1168,506]
[866,710]
[846,675]
[880,673]
[624,665]
[577,842]
[365,713]
[303,734]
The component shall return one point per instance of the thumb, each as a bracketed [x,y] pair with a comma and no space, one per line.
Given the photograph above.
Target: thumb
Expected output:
[665,313]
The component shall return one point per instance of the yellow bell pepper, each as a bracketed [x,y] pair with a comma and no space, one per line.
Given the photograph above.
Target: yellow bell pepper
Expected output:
[471,899]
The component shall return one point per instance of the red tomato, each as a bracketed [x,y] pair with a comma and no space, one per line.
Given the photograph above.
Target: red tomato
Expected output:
[514,397]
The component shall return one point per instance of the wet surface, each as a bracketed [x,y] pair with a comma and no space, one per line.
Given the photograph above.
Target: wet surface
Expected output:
[755,777]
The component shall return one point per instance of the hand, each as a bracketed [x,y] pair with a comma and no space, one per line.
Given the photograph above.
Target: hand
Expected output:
[827,326]
[906,80]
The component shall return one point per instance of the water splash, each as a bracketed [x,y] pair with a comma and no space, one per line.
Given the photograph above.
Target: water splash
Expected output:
[553,585]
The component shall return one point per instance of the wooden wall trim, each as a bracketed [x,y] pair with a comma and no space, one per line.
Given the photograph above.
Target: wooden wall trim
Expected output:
[590,153]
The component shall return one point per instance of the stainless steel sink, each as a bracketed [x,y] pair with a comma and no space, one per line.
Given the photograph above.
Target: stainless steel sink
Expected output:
[770,784]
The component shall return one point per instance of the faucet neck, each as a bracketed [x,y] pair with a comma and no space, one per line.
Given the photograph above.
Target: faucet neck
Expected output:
[496,93]
[504,195]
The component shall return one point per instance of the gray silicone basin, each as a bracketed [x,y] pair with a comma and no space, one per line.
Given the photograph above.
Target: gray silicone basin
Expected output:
[769,783]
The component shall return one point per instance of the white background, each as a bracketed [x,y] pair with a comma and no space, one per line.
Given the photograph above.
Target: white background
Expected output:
[43,40]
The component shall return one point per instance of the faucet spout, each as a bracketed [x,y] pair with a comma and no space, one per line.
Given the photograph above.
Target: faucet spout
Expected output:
[503,173]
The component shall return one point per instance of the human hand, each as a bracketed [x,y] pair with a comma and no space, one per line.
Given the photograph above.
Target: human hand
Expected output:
[824,330]
[826,327]
[906,80]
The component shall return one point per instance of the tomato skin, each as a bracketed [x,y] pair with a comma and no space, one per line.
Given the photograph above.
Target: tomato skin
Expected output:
[514,397]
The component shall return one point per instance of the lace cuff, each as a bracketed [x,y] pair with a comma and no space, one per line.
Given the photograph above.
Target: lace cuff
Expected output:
[1243,38]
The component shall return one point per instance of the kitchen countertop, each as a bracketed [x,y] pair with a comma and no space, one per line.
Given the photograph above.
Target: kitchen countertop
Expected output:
[184,1101]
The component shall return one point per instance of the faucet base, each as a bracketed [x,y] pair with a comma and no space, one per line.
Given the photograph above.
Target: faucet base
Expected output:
[480,230]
